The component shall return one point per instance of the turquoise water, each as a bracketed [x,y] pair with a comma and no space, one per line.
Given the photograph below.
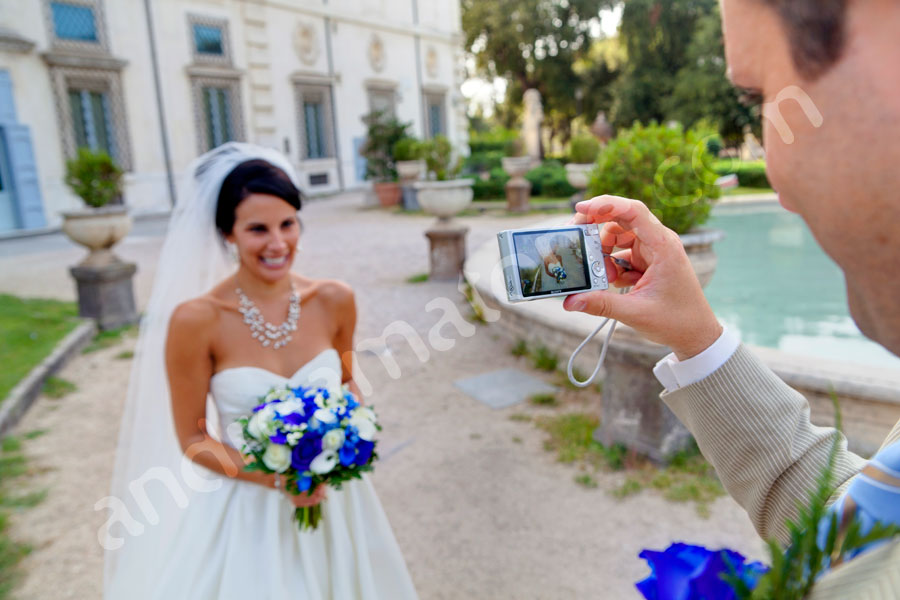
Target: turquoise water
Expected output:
[777,288]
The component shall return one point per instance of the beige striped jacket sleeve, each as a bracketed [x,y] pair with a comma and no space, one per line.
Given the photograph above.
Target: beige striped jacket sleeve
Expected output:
[755,430]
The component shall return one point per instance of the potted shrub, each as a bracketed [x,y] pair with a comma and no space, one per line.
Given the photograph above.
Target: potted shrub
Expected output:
[97,180]
[516,162]
[583,152]
[408,153]
[669,170]
[408,158]
[442,196]
[383,133]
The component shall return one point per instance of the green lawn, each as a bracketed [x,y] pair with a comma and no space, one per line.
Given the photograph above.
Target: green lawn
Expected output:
[746,191]
[29,330]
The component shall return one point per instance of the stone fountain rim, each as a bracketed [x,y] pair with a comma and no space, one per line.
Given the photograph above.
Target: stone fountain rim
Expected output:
[872,383]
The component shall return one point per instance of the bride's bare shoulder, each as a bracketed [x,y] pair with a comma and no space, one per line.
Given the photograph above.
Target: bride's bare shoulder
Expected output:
[199,313]
[329,291]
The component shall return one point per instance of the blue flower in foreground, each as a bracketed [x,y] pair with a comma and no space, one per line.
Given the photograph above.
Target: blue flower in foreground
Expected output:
[684,572]
[305,451]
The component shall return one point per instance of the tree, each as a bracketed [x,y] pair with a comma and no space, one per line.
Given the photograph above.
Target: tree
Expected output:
[533,44]
[702,90]
[656,35]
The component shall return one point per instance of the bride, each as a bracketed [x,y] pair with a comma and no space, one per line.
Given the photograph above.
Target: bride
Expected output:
[187,521]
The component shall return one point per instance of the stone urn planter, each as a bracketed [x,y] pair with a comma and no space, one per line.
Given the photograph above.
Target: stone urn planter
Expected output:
[447,240]
[578,175]
[98,230]
[409,171]
[518,189]
[444,199]
[388,193]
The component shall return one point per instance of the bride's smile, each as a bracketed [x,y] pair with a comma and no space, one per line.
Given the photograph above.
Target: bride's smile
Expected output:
[266,232]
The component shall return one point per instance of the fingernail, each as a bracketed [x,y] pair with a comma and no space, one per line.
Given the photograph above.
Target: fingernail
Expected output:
[576,305]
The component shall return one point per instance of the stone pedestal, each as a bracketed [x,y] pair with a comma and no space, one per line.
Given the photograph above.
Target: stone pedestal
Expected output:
[518,194]
[106,293]
[448,251]
[409,198]
[632,412]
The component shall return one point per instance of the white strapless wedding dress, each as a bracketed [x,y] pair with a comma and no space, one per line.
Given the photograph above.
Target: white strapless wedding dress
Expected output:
[240,542]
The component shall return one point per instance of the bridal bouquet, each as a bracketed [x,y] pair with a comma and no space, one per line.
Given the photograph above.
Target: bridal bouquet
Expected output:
[311,437]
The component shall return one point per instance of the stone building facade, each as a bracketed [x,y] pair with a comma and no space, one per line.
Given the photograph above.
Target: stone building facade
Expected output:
[156,82]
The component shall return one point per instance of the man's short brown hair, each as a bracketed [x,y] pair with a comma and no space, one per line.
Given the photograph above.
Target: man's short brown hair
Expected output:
[815,30]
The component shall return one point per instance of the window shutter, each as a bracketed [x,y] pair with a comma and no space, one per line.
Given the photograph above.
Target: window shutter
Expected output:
[23,171]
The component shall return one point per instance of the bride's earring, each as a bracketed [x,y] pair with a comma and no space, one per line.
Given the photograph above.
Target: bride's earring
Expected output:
[233,252]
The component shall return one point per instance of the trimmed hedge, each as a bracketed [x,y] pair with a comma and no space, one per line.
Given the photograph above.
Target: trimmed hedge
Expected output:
[749,174]
[549,179]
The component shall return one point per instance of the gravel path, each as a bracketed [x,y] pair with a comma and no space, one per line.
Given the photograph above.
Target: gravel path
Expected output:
[479,508]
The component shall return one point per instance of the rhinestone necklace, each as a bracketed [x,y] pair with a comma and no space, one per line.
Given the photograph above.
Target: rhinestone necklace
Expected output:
[264,331]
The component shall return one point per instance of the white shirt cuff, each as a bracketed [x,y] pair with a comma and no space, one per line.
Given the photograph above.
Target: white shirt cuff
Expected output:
[674,374]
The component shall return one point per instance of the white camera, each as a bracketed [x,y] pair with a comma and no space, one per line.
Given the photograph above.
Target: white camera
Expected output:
[539,263]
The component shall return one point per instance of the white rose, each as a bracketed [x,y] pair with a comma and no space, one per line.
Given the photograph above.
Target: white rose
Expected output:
[277,457]
[261,425]
[366,413]
[333,440]
[289,406]
[324,462]
[323,415]
[364,427]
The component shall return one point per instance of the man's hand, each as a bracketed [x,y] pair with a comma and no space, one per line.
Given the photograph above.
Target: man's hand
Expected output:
[665,303]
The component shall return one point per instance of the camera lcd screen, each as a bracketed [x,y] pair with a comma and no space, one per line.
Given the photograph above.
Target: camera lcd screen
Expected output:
[551,261]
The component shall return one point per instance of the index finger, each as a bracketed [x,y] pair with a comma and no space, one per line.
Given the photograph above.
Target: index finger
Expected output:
[632,215]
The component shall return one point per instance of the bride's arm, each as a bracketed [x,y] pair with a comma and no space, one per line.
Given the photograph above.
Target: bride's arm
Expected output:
[190,366]
[344,307]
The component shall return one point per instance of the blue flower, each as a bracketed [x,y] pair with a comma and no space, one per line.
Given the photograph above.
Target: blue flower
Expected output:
[347,455]
[304,482]
[294,419]
[364,450]
[684,572]
[305,451]
[278,438]
[351,435]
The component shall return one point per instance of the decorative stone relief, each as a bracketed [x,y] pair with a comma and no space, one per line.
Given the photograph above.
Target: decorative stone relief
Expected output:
[431,62]
[306,43]
[376,53]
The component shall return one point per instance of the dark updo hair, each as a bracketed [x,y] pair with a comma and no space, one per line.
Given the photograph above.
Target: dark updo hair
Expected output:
[255,176]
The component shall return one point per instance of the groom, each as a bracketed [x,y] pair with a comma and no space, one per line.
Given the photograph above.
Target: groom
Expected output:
[826,70]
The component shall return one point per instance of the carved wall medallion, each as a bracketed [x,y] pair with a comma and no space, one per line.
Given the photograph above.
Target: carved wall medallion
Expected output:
[431,62]
[376,53]
[306,43]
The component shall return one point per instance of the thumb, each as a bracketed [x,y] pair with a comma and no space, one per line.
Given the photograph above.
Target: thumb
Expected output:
[600,303]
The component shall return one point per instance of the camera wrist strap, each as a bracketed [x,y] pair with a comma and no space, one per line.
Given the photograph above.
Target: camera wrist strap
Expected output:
[612,327]
[571,365]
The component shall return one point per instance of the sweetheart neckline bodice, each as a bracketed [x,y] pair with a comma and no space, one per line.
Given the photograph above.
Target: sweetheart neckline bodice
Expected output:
[270,372]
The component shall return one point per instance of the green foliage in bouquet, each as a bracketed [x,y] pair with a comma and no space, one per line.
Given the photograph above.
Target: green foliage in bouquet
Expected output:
[666,168]
[796,568]
[94,177]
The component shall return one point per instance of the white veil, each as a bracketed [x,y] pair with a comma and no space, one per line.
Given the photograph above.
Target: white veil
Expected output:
[152,481]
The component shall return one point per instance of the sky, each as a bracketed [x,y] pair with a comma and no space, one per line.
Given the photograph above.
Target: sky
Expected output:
[483,93]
